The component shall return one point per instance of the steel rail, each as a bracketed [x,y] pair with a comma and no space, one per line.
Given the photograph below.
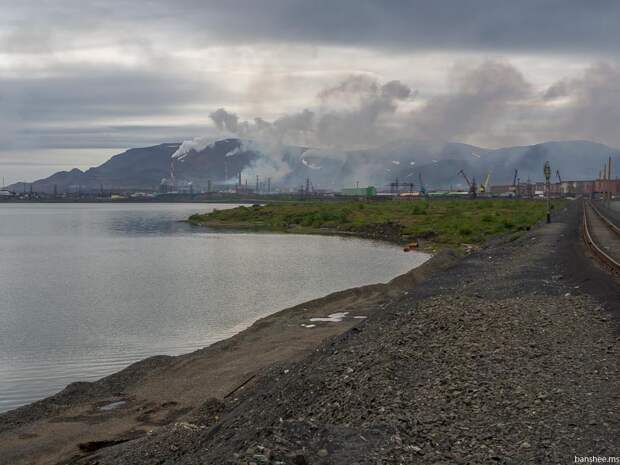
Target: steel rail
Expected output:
[606,220]
[609,261]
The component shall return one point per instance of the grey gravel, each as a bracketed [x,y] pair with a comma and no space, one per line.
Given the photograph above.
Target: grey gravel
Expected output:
[504,358]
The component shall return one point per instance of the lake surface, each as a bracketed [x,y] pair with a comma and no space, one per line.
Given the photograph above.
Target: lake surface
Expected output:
[87,289]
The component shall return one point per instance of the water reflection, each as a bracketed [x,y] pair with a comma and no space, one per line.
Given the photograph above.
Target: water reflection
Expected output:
[87,289]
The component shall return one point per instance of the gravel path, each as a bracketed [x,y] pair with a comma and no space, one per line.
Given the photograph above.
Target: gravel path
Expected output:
[509,357]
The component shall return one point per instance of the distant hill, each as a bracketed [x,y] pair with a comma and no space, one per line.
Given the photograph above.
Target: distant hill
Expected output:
[221,161]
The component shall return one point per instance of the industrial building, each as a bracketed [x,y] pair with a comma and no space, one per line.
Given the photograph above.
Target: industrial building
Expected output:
[369,191]
[560,189]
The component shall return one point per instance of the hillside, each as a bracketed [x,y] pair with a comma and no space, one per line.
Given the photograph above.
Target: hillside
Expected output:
[221,161]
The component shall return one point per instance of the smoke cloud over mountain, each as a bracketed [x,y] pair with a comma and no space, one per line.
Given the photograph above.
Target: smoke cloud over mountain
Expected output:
[491,103]
[352,113]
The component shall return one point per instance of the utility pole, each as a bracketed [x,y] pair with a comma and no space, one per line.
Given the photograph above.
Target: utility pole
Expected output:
[547,171]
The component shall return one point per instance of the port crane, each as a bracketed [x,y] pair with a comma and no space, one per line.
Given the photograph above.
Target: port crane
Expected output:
[485,185]
[471,184]
[514,183]
[557,172]
[422,186]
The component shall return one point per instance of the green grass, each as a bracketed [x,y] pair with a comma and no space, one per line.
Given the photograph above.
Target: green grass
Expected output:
[440,222]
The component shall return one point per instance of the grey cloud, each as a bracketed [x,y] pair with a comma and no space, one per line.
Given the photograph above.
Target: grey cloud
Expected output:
[361,123]
[534,25]
[83,98]
[593,110]
[225,121]
[395,90]
[479,101]
[495,105]
[352,87]
[102,136]
[557,90]
[301,121]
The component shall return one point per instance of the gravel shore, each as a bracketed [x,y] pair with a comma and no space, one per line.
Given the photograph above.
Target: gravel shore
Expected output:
[510,357]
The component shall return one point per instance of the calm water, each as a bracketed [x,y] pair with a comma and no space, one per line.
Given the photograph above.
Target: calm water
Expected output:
[86,289]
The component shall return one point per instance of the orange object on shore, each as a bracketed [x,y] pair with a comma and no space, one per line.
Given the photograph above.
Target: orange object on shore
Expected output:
[412,245]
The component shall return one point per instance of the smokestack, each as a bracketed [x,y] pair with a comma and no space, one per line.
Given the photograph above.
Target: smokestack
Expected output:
[609,179]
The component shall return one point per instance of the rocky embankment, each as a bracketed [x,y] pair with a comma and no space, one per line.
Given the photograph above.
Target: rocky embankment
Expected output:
[511,356]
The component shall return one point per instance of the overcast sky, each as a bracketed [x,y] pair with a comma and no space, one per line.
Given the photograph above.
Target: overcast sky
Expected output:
[82,80]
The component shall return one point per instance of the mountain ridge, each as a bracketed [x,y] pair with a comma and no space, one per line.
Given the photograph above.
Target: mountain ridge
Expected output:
[221,161]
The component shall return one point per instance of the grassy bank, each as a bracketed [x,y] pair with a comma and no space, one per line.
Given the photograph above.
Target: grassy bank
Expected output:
[438,222]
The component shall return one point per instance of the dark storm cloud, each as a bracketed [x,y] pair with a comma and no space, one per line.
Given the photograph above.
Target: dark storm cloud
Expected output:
[538,25]
[421,24]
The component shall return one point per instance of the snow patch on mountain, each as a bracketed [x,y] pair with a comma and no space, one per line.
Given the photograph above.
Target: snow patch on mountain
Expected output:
[310,165]
[198,144]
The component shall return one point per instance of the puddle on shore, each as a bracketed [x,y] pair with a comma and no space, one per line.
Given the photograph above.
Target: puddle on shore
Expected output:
[334,317]
[112,405]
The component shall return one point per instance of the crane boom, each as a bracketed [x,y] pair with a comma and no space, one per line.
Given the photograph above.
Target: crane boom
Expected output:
[466,178]
[484,186]
[557,172]
[471,184]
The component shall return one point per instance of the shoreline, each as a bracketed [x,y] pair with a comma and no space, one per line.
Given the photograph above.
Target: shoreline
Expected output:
[160,390]
[423,225]
[483,362]
[159,393]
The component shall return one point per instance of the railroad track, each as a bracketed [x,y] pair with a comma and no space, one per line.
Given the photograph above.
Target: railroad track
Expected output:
[602,236]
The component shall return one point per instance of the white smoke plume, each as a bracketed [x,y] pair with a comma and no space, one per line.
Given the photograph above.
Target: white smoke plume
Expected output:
[488,104]
[346,115]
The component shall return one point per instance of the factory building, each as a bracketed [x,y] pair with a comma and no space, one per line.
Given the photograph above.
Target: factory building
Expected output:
[369,191]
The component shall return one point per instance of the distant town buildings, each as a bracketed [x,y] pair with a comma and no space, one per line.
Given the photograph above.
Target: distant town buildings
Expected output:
[559,189]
